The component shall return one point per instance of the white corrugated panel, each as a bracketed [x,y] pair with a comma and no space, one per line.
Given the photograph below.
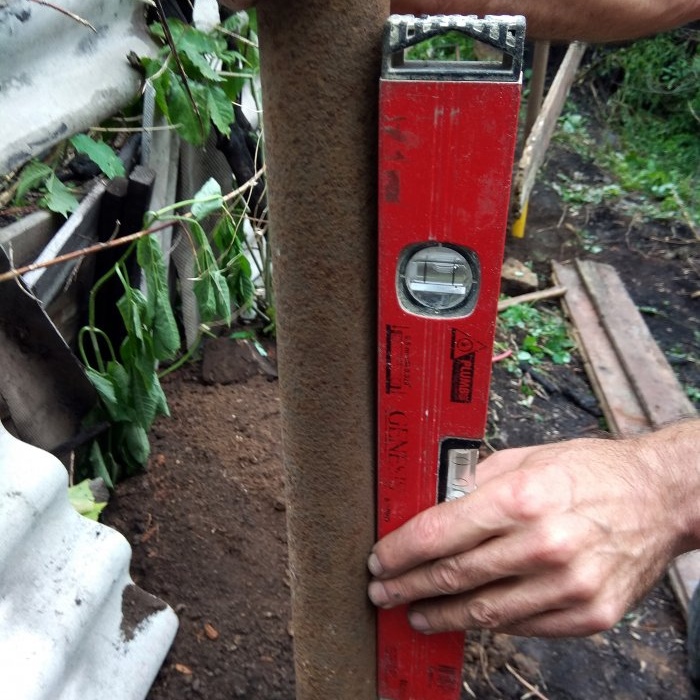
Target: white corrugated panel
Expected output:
[72,623]
[59,75]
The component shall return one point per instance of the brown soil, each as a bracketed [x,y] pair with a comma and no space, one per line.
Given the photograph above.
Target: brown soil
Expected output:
[207,520]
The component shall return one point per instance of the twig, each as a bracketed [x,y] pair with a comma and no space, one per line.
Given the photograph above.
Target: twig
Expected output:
[550,293]
[465,685]
[533,690]
[181,69]
[106,245]
[90,250]
[131,129]
[65,12]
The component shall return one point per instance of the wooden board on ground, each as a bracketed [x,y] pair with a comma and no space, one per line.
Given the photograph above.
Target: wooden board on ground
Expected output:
[637,388]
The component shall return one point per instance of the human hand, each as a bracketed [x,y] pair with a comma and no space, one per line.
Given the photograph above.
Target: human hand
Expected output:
[557,540]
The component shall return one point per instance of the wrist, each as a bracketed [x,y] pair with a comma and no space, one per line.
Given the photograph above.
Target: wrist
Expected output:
[672,455]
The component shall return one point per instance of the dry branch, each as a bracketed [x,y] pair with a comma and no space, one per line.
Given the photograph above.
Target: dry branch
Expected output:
[90,250]
[551,293]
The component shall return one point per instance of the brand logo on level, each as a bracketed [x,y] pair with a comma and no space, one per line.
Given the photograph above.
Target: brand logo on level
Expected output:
[463,354]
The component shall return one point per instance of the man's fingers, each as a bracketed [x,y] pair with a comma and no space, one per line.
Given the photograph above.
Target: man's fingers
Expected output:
[538,606]
[553,546]
[453,527]
[459,573]
[438,532]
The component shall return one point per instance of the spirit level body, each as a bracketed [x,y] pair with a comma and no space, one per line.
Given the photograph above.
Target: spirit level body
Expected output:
[445,162]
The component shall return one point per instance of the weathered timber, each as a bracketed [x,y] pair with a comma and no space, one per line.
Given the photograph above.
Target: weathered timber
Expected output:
[624,415]
[541,133]
[635,384]
[649,372]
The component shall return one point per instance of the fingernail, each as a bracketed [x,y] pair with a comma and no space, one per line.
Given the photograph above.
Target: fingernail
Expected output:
[418,621]
[377,594]
[374,565]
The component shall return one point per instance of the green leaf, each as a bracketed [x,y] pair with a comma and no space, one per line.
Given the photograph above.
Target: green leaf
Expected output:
[207,200]
[136,444]
[145,396]
[222,294]
[133,308]
[160,81]
[232,86]
[237,22]
[201,242]
[83,500]
[103,386]
[182,114]
[224,234]
[58,197]
[240,281]
[166,337]
[99,465]
[198,46]
[33,175]
[220,109]
[121,409]
[206,299]
[99,153]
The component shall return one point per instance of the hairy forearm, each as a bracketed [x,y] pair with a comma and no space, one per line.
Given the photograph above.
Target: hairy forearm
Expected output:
[673,453]
[584,20]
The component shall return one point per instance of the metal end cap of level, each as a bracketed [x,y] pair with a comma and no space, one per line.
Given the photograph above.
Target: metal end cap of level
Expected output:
[506,33]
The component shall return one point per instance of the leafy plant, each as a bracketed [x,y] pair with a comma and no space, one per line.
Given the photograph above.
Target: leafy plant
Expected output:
[126,378]
[197,76]
[38,176]
[539,335]
[100,153]
[652,110]
[84,501]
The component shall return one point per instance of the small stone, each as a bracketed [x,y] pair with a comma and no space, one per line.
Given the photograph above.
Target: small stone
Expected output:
[516,278]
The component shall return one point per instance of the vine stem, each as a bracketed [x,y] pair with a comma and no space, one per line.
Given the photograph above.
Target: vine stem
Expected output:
[65,12]
[97,247]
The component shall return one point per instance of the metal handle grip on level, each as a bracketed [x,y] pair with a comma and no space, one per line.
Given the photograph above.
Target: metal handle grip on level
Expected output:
[505,33]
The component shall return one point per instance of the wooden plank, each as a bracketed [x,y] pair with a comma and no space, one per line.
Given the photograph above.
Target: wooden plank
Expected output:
[540,60]
[78,232]
[619,403]
[541,133]
[654,381]
[600,307]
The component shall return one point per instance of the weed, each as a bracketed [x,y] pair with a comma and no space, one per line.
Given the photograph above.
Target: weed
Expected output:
[197,76]
[652,108]
[539,335]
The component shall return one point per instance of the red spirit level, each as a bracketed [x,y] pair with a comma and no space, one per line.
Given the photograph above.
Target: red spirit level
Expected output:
[446,141]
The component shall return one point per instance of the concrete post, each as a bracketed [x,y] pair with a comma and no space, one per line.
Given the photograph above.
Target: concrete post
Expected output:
[320,70]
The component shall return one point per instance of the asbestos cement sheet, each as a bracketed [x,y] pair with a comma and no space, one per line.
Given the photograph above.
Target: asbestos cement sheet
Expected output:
[64,71]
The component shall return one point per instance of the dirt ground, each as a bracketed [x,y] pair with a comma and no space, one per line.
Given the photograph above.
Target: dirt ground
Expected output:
[207,520]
